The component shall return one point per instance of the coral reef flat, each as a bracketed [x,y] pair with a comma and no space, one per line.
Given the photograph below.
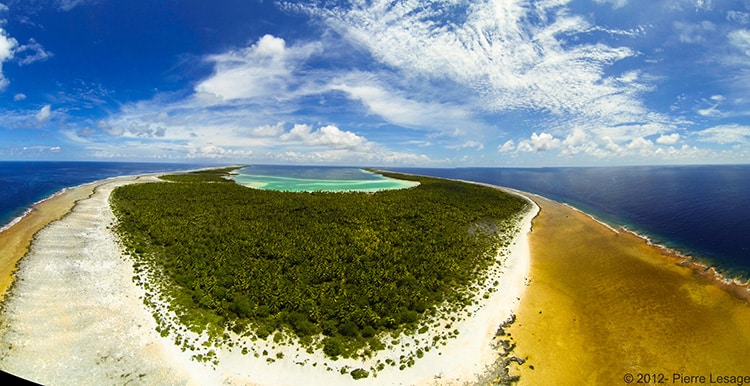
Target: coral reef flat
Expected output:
[619,305]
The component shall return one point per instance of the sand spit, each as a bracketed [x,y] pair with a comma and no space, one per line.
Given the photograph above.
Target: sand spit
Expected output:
[16,237]
[75,316]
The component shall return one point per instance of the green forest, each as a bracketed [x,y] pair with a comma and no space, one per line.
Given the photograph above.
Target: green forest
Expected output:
[339,269]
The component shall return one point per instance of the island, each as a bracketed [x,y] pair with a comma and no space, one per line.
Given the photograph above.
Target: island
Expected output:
[266,287]
[101,297]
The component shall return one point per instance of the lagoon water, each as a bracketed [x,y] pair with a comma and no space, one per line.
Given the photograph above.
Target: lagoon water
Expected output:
[316,178]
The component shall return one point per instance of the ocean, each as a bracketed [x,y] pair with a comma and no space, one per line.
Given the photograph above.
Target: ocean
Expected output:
[22,184]
[700,211]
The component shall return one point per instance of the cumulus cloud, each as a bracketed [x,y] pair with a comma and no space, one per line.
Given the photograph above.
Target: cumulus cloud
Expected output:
[268,130]
[7,47]
[19,97]
[330,136]
[539,142]
[640,144]
[670,139]
[576,138]
[506,147]
[264,69]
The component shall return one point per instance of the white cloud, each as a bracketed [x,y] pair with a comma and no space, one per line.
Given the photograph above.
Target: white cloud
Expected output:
[640,144]
[648,125]
[7,47]
[505,56]
[397,109]
[217,152]
[19,97]
[507,147]
[332,156]
[693,33]
[579,141]
[539,142]
[470,144]
[510,63]
[741,40]
[576,138]
[44,114]
[725,134]
[114,131]
[268,130]
[329,136]
[31,52]
[670,139]
[67,5]
[264,69]
[739,17]
[615,3]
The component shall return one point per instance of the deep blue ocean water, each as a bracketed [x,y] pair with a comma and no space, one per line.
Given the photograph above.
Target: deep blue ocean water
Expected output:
[700,211]
[24,183]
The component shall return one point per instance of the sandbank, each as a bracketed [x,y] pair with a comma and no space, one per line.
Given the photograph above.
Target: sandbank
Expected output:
[15,239]
[602,304]
[76,316]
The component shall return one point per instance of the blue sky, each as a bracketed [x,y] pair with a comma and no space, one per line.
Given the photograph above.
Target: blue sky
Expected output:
[423,83]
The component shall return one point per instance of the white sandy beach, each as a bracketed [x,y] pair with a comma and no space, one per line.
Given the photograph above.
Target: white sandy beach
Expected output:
[75,316]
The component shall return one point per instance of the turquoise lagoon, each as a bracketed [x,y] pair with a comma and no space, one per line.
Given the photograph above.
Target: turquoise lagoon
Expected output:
[316,178]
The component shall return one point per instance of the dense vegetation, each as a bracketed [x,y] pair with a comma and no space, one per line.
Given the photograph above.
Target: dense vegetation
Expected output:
[348,266]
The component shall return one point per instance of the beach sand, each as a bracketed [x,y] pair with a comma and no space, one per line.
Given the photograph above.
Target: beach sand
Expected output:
[75,316]
[15,240]
[602,304]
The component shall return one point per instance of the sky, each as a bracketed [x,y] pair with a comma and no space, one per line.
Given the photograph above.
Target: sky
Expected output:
[381,83]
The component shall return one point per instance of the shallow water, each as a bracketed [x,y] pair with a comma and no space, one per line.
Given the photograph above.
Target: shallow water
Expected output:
[311,179]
